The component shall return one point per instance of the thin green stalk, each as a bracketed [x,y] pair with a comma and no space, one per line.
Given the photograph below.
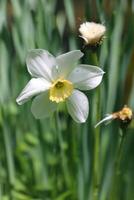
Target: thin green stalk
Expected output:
[43,150]
[96,167]
[117,172]
[61,142]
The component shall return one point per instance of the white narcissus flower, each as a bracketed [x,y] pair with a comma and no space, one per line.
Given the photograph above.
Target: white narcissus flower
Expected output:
[92,32]
[58,79]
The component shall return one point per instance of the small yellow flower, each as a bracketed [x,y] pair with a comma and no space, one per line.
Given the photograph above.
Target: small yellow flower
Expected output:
[92,33]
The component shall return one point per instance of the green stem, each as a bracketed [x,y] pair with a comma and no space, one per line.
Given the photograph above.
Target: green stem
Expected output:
[96,176]
[96,165]
[117,172]
[96,169]
[61,143]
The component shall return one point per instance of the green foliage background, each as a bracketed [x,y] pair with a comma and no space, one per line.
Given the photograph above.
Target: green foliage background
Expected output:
[37,162]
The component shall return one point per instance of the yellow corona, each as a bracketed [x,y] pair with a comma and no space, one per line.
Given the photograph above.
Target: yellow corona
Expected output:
[60,90]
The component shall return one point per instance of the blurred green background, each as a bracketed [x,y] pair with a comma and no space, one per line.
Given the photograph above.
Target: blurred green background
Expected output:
[36,161]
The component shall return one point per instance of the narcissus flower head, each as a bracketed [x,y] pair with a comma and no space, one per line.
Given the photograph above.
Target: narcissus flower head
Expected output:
[59,79]
[92,33]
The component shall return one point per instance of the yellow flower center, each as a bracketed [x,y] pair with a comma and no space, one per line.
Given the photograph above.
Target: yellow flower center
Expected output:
[60,90]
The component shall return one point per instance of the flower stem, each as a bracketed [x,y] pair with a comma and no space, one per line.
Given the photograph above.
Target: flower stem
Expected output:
[96,176]
[96,117]
[61,143]
[117,172]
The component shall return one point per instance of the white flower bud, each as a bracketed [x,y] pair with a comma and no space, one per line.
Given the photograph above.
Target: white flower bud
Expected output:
[92,33]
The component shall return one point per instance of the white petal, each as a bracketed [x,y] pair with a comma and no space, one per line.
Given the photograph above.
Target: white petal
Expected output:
[78,107]
[42,106]
[41,63]
[86,77]
[67,62]
[33,87]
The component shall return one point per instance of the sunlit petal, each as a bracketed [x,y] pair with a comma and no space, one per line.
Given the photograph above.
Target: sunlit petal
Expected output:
[41,63]
[33,87]
[42,106]
[78,107]
[86,77]
[67,62]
